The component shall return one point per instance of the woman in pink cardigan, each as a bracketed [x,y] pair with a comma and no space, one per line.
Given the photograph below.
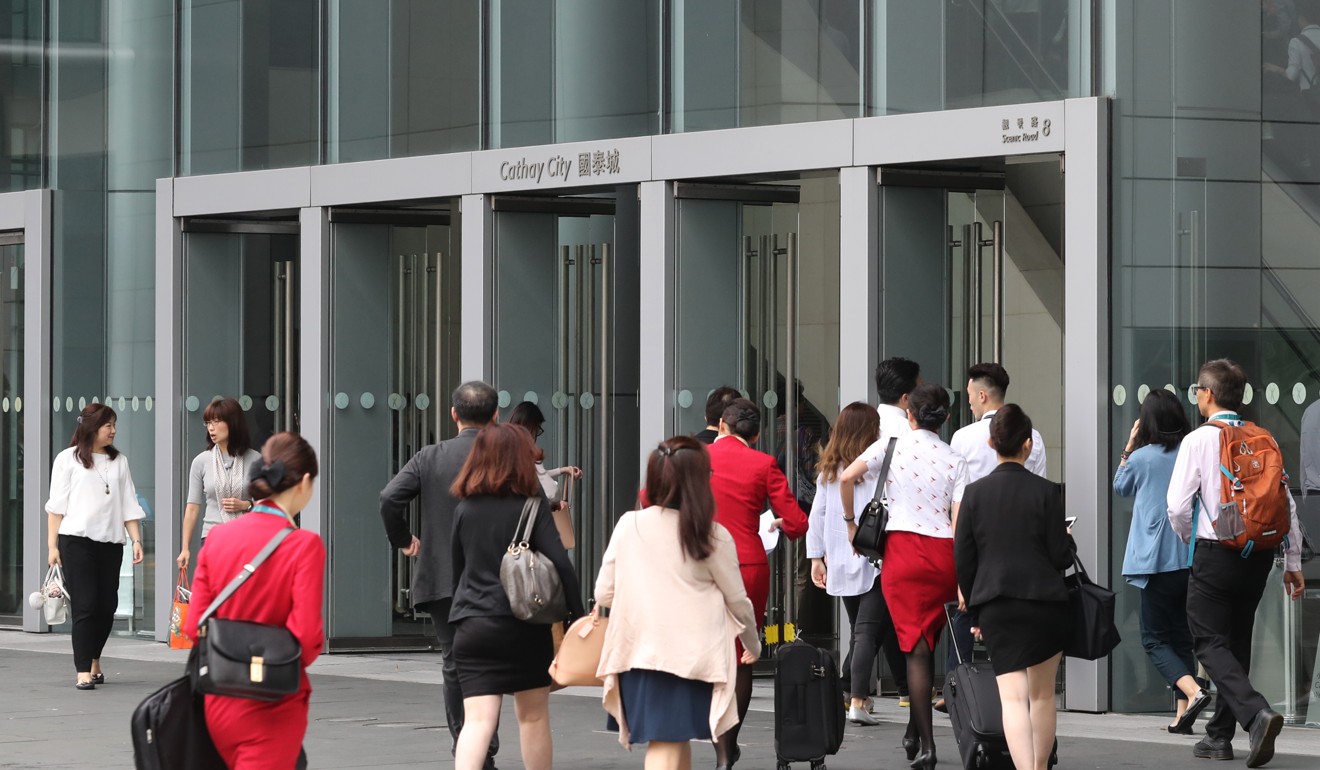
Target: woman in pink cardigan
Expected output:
[667,689]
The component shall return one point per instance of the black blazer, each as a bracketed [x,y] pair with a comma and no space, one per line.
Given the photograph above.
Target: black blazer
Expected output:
[1011,538]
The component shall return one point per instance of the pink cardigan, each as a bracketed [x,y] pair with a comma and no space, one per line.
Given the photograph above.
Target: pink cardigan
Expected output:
[670,613]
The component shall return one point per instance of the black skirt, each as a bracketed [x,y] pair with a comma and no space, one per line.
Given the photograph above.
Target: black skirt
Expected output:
[498,655]
[1019,633]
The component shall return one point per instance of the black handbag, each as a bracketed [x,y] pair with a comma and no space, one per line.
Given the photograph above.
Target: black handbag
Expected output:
[1093,633]
[869,539]
[169,730]
[243,659]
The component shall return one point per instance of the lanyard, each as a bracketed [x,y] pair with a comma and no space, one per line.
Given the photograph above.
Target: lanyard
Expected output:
[263,508]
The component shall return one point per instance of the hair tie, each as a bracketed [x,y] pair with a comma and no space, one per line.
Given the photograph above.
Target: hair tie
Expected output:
[272,473]
[929,413]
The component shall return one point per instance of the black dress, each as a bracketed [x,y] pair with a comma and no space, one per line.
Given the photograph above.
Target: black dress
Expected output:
[494,652]
[1010,549]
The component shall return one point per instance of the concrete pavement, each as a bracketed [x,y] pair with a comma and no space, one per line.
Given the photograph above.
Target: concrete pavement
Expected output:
[385,712]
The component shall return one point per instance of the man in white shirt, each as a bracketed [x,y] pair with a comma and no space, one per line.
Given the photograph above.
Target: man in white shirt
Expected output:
[1226,583]
[987,386]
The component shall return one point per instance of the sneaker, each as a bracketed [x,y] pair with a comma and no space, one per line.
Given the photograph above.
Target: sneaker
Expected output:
[904,701]
[860,716]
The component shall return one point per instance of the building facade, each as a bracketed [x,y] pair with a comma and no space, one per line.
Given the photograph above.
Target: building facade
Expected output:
[336,210]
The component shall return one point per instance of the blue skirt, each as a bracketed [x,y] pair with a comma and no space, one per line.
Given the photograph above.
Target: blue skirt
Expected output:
[664,707]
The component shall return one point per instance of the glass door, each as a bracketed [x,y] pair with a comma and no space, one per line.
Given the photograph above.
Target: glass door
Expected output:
[565,297]
[393,359]
[11,435]
[756,309]
[241,325]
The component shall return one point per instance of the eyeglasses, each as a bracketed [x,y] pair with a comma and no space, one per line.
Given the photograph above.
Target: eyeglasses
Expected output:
[1194,387]
[539,431]
[209,423]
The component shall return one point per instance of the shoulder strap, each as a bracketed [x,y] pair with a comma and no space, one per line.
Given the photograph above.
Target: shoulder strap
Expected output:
[523,532]
[244,574]
[884,470]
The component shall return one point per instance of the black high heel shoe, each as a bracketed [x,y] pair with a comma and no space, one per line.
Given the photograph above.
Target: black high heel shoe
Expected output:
[925,762]
[911,747]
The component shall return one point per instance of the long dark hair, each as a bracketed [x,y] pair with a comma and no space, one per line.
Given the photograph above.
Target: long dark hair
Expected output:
[502,463]
[529,416]
[90,420]
[1163,421]
[678,477]
[228,411]
[285,458]
[856,429]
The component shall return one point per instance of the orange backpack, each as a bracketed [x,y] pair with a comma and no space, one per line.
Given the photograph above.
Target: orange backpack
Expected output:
[1254,510]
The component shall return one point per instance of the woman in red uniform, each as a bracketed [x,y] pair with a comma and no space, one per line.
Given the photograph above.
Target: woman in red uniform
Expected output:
[286,589]
[743,480]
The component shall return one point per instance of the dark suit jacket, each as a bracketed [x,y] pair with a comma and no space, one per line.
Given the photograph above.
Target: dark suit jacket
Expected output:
[1011,538]
[743,480]
[429,474]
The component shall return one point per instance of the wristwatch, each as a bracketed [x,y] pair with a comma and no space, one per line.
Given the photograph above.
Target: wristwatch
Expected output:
[251,505]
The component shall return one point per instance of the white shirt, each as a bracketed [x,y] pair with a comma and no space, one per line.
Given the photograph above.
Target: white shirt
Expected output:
[79,495]
[973,443]
[1310,440]
[1301,60]
[847,574]
[1196,471]
[925,479]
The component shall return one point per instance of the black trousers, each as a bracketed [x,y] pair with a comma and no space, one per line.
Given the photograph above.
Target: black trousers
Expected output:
[1222,596]
[872,629]
[91,573]
[453,693]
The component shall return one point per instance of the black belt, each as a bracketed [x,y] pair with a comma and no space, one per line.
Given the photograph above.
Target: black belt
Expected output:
[1202,542]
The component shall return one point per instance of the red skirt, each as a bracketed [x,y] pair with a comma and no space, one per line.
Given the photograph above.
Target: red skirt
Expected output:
[756,579]
[918,577]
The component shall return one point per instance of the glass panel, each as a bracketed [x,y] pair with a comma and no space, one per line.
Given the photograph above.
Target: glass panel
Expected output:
[405,78]
[249,84]
[397,284]
[764,63]
[565,299]
[756,309]
[573,70]
[21,37]
[952,54]
[11,436]
[241,321]
[1214,201]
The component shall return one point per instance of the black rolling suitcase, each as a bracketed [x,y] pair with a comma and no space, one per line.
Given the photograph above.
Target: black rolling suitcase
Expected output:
[972,696]
[809,711]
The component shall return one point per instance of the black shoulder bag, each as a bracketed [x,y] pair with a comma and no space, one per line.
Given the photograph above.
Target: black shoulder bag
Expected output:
[869,539]
[242,659]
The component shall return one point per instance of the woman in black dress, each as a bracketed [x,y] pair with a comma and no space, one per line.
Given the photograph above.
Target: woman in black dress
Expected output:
[1010,547]
[495,652]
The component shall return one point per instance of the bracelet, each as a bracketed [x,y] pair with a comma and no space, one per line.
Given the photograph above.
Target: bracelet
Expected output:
[1124,455]
[850,518]
[137,542]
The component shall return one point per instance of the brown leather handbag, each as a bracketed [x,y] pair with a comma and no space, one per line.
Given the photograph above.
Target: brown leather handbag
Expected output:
[579,655]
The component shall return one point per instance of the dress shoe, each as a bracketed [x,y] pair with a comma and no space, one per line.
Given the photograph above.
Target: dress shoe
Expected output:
[1264,729]
[98,678]
[1213,748]
[941,706]
[1179,729]
[911,746]
[924,762]
[84,685]
[1194,707]
[860,716]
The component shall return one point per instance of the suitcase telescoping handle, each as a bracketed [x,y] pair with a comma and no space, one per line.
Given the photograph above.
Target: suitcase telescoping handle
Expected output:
[949,608]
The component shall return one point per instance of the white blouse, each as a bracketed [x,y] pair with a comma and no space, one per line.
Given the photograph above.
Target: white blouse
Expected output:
[925,479]
[79,494]
[846,573]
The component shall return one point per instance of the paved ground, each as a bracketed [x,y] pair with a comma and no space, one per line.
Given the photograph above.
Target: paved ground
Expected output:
[384,712]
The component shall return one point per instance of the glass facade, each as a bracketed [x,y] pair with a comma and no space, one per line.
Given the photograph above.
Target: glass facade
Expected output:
[12,595]
[1215,205]
[1215,221]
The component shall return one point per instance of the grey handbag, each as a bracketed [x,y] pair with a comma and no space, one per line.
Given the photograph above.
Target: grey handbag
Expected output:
[531,581]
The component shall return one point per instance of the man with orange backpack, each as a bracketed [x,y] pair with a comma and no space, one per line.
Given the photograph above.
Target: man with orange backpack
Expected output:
[1229,500]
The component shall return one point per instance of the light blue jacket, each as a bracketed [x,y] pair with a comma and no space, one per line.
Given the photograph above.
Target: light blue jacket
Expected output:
[1152,544]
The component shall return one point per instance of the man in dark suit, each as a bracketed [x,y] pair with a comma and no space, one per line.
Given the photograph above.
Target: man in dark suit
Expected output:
[428,475]
[715,403]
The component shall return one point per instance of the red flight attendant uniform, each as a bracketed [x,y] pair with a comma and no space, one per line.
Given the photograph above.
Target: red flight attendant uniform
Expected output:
[743,480]
[287,589]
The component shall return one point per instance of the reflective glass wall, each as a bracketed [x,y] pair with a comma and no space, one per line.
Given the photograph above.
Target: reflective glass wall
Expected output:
[21,33]
[11,434]
[1216,253]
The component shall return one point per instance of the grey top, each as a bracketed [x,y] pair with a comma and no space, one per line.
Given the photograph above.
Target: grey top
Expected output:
[205,482]
[1310,481]
[428,475]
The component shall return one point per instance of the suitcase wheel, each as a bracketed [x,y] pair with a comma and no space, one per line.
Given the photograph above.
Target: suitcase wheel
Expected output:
[781,766]
[982,759]
[818,764]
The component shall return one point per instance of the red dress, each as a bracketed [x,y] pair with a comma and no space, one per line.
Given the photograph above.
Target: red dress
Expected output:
[288,589]
[743,480]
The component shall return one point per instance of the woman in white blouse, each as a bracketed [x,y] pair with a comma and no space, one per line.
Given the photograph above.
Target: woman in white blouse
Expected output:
[840,570]
[925,485]
[92,502]
[218,478]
